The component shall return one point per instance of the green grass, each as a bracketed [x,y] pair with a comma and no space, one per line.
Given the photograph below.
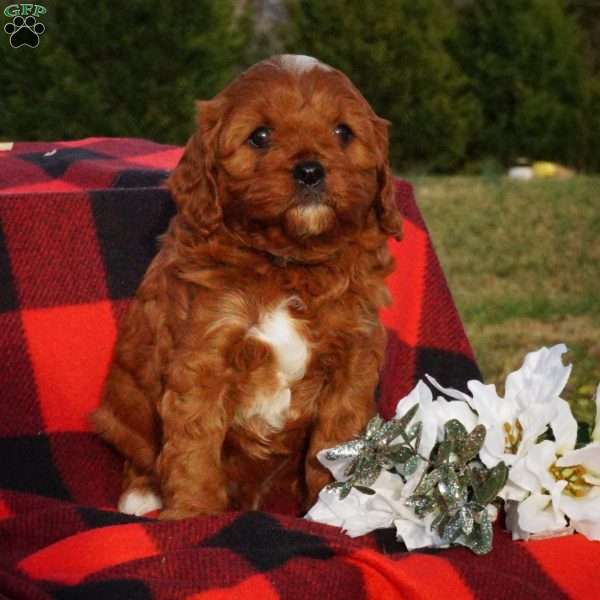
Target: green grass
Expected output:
[523,263]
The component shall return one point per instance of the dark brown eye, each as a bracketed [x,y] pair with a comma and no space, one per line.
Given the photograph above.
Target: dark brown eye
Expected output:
[344,133]
[260,137]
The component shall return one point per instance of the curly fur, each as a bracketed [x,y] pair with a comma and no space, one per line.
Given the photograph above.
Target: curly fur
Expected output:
[205,397]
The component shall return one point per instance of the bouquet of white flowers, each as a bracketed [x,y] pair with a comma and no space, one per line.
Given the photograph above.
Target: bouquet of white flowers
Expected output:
[441,468]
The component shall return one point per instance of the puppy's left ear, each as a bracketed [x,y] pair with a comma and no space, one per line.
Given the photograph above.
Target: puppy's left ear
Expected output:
[388,214]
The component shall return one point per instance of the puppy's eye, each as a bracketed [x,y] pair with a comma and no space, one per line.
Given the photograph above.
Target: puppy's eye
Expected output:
[260,137]
[344,133]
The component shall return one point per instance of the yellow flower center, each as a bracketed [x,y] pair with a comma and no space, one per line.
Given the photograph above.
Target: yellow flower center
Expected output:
[577,486]
[512,437]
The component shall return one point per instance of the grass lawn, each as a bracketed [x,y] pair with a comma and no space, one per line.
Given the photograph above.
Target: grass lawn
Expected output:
[523,262]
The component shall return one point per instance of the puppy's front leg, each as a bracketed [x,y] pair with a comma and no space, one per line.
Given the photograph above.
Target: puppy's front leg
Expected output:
[189,465]
[345,407]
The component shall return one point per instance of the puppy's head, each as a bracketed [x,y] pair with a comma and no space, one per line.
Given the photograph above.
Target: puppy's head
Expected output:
[288,157]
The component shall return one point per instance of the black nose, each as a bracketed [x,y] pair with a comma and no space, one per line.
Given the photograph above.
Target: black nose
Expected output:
[309,172]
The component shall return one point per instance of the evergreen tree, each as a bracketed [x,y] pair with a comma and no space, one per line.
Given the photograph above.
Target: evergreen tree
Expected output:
[524,61]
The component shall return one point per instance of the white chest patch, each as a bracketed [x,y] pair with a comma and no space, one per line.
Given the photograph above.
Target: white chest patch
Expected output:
[278,329]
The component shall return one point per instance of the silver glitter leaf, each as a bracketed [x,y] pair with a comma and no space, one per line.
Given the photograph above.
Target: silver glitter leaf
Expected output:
[450,489]
[451,529]
[373,430]
[399,453]
[411,465]
[454,431]
[414,433]
[402,423]
[367,470]
[467,520]
[423,505]
[347,450]
[481,537]
[429,482]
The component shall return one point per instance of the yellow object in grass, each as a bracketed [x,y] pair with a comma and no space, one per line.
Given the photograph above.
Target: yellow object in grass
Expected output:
[549,170]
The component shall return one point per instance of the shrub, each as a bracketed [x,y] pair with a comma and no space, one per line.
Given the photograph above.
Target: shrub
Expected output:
[134,70]
[526,68]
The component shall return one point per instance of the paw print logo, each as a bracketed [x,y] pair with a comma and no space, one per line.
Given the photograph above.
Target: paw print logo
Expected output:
[24,32]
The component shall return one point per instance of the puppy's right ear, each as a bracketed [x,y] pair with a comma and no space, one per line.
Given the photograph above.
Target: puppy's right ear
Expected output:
[193,183]
[388,213]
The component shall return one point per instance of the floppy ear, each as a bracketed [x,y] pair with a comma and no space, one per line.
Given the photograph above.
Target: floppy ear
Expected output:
[193,183]
[386,208]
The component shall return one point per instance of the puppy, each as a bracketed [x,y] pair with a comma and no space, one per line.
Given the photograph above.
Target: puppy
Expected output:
[253,341]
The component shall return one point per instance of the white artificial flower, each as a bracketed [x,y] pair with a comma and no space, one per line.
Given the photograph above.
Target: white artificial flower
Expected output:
[358,513]
[531,403]
[561,482]
[415,532]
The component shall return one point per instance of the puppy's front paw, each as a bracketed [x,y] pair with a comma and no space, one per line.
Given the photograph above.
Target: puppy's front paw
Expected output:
[139,502]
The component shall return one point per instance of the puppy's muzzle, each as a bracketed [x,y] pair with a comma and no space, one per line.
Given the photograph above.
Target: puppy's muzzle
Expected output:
[309,174]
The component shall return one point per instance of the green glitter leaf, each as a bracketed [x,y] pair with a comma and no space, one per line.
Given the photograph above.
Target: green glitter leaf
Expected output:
[398,453]
[365,490]
[469,447]
[442,455]
[486,491]
[374,428]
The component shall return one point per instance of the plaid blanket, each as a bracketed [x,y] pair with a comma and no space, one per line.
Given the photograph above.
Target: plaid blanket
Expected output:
[78,223]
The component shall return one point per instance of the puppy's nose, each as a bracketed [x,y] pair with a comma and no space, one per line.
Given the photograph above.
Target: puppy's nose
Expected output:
[309,172]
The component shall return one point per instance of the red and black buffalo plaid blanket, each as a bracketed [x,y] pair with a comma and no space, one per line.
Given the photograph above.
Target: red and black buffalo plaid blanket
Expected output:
[78,224]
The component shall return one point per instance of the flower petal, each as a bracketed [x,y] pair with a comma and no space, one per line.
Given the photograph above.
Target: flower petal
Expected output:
[530,471]
[415,534]
[446,411]
[537,516]
[418,395]
[322,512]
[357,513]
[591,529]
[534,420]
[596,432]
[489,406]
[511,521]
[541,378]
[588,457]
[492,451]
[564,427]
[582,508]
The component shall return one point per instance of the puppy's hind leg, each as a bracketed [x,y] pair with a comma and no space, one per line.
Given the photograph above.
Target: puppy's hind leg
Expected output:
[141,492]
